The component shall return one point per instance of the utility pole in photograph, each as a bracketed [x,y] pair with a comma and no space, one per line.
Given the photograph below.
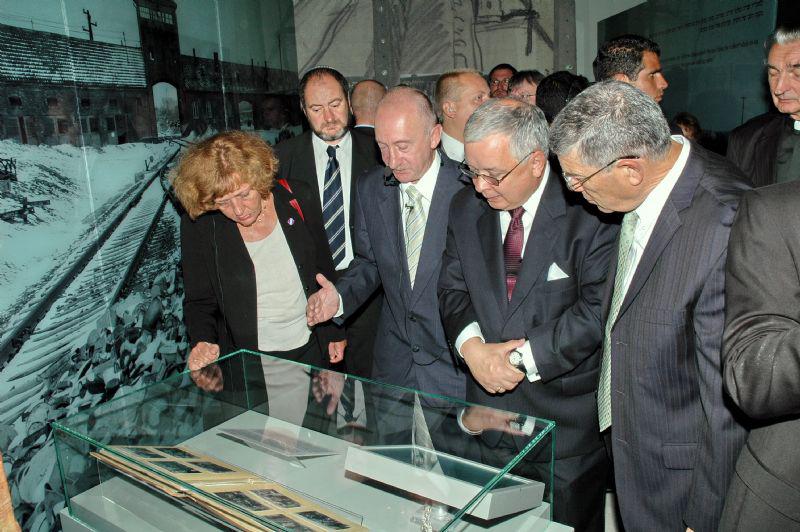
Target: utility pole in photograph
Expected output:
[89,23]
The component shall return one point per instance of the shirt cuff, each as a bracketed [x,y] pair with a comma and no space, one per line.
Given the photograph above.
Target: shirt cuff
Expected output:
[463,427]
[470,331]
[530,364]
[528,426]
[341,308]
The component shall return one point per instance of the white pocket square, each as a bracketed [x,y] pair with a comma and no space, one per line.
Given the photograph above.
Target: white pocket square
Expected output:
[555,273]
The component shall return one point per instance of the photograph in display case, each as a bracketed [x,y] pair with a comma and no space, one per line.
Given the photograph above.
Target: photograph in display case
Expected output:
[289,524]
[270,501]
[203,481]
[240,498]
[183,464]
[277,498]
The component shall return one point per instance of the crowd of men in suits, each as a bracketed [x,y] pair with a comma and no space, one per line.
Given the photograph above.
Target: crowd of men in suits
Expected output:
[573,267]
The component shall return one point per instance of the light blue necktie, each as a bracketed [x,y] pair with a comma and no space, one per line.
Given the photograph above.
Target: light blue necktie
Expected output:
[415,229]
[623,267]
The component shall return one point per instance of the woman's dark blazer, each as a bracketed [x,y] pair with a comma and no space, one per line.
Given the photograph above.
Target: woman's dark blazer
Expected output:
[219,279]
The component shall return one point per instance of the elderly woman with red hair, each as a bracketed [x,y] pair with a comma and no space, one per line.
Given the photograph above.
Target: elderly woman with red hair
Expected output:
[251,246]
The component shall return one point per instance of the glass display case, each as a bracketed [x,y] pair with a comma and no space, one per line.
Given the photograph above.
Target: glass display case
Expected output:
[254,442]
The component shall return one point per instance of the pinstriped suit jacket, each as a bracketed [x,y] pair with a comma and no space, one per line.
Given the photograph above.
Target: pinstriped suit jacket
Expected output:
[675,436]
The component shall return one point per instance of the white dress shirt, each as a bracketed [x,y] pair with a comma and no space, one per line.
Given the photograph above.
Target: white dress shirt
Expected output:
[531,205]
[452,147]
[425,186]
[650,209]
[344,155]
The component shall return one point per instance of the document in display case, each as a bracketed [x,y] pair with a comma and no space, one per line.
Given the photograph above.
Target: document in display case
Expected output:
[254,442]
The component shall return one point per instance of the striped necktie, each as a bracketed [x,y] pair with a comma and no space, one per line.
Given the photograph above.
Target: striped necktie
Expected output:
[333,207]
[512,249]
[415,229]
[623,268]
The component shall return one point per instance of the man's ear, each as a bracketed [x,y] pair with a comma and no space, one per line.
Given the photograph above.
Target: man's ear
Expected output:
[449,109]
[538,160]
[634,171]
[436,136]
[621,77]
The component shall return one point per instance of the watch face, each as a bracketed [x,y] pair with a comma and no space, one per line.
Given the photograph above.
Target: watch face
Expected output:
[515,358]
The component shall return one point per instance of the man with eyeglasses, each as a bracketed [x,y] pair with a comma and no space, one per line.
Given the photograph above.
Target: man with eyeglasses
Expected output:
[499,78]
[672,436]
[520,292]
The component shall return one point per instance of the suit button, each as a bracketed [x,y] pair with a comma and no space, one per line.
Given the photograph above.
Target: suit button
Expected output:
[411,317]
[299,267]
[305,288]
[415,348]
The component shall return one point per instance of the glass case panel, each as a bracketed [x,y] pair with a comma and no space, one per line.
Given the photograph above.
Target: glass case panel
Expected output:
[254,442]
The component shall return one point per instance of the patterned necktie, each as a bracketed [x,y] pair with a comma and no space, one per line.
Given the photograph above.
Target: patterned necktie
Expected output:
[512,249]
[333,207]
[623,268]
[415,229]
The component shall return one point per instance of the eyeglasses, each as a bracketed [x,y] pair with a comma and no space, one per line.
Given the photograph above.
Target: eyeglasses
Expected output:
[574,181]
[499,81]
[470,173]
[525,97]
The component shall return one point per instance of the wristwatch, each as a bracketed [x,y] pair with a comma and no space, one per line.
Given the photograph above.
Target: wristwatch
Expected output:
[515,359]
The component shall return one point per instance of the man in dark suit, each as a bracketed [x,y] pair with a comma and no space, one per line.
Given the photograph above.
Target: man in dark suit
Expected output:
[660,402]
[329,158]
[767,147]
[399,238]
[522,276]
[761,348]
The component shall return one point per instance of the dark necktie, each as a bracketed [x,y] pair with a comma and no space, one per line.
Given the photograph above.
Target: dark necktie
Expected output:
[512,249]
[333,207]
[348,400]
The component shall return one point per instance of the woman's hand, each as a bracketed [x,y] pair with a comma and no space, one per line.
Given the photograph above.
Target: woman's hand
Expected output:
[202,355]
[336,351]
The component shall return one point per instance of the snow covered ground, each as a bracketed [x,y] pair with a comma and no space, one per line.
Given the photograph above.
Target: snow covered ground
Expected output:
[83,186]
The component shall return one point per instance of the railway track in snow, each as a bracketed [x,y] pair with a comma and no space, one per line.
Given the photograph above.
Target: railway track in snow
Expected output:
[77,299]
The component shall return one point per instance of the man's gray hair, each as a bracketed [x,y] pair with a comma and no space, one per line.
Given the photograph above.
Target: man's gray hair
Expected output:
[782,36]
[608,120]
[523,124]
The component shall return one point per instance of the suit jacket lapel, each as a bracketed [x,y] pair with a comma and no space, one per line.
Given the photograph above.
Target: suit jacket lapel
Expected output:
[767,144]
[363,159]
[488,227]
[291,230]
[389,208]
[305,167]
[430,257]
[236,275]
[541,239]
[666,225]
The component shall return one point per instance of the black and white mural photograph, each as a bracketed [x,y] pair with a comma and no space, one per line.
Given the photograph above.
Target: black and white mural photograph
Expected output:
[97,99]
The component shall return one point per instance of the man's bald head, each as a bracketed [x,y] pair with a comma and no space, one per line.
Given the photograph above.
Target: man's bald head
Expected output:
[407,133]
[405,97]
[364,100]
